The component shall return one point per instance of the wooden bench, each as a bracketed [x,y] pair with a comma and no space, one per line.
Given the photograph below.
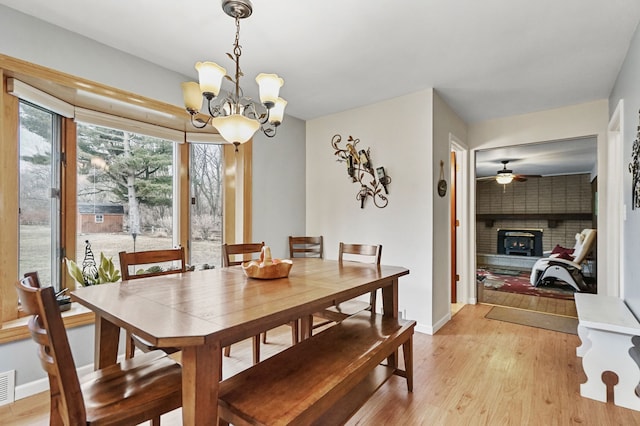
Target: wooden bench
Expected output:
[609,333]
[322,380]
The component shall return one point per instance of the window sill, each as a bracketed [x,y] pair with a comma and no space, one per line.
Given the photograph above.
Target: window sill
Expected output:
[15,330]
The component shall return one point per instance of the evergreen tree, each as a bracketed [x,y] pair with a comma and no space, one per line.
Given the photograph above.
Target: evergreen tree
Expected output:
[127,168]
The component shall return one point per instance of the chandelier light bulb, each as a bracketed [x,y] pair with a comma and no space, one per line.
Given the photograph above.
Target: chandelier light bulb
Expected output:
[235,128]
[270,85]
[276,114]
[210,76]
[192,96]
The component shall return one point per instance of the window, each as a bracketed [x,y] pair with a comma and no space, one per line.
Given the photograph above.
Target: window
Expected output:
[125,192]
[39,230]
[67,168]
[206,204]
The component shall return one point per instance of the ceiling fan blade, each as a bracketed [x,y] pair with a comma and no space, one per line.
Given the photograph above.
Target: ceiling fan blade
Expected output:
[485,178]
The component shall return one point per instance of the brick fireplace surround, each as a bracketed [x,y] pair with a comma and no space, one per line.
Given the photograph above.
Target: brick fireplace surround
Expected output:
[569,194]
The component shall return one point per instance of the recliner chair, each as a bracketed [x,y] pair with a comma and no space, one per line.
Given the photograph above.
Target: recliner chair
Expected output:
[550,269]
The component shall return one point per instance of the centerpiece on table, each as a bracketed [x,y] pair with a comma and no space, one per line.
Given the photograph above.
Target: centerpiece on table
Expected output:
[267,268]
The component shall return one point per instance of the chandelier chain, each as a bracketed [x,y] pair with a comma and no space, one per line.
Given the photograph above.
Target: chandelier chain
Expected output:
[237,52]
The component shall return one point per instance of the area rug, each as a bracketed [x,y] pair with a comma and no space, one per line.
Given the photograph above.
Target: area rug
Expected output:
[534,319]
[518,282]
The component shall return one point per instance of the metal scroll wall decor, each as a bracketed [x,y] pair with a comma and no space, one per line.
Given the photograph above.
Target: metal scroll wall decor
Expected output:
[634,168]
[360,170]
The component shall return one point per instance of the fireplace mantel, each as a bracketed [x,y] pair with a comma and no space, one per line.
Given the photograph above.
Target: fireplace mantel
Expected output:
[552,218]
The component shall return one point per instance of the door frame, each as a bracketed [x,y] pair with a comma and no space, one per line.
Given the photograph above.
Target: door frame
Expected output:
[461,193]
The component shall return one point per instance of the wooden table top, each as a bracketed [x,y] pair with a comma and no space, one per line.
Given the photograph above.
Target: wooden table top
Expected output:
[199,307]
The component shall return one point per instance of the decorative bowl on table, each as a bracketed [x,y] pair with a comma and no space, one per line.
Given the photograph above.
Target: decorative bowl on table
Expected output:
[267,268]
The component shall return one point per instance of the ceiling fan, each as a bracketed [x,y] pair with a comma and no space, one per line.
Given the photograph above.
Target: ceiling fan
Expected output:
[506,176]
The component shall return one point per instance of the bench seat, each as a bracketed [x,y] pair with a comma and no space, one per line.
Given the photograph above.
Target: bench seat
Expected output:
[322,380]
[609,334]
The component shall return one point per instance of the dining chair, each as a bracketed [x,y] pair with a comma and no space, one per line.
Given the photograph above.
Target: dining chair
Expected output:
[230,253]
[306,247]
[365,253]
[130,392]
[134,259]
[230,257]
[145,258]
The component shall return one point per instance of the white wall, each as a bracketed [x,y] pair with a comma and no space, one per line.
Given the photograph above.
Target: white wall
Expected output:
[446,124]
[278,163]
[278,186]
[588,119]
[627,87]
[400,133]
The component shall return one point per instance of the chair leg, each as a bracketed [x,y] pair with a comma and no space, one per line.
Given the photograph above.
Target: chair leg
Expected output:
[55,404]
[256,349]
[264,337]
[372,301]
[130,348]
[295,332]
[227,351]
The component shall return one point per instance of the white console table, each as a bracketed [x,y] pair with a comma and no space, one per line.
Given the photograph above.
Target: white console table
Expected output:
[608,331]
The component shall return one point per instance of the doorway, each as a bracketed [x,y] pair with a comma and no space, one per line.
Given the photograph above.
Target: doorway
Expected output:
[548,197]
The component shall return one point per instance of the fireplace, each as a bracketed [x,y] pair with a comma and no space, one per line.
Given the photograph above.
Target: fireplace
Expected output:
[520,242]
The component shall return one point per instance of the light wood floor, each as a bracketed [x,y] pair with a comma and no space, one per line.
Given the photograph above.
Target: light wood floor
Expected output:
[529,302]
[474,371]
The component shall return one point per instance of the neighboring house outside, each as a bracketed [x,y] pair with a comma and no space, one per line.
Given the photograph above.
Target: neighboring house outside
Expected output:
[94,218]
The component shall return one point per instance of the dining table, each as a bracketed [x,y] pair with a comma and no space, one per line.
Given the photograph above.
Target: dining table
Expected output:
[203,311]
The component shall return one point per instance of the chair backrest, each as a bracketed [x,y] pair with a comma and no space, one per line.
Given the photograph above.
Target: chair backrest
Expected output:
[306,247]
[229,251]
[364,252]
[584,244]
[47,330]
[151,257]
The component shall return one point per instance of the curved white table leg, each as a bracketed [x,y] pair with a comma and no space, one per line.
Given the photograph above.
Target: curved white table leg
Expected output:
[583,333]
[610,352]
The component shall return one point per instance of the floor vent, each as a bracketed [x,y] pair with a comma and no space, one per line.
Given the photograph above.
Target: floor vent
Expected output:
[7,387]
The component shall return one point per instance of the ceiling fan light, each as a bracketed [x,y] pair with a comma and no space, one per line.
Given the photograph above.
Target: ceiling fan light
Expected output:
[504,178]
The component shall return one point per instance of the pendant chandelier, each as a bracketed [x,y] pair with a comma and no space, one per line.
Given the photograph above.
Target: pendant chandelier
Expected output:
[235,116]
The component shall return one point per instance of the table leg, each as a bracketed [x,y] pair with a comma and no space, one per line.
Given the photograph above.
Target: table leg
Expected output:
[200,383]
[390,308]
[106,339]
[390,299]
[306,327]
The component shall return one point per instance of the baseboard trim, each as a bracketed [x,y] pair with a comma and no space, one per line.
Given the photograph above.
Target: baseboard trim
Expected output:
[42,385]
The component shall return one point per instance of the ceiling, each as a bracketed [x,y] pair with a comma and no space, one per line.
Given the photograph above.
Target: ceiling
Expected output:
[546,159]
[487,59]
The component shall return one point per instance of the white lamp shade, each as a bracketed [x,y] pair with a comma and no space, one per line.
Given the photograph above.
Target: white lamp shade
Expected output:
[276,114]
[192,95]
[270,85]
[504,178]
[235,128]
[210,76]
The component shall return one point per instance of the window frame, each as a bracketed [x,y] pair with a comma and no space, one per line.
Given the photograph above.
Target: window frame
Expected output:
[237,214]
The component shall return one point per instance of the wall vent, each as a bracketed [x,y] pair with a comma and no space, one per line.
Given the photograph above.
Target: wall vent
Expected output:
[7,387]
